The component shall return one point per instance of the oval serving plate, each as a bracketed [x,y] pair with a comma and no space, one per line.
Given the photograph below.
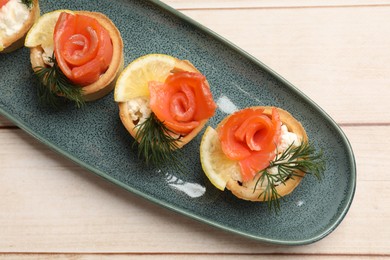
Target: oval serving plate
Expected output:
[94,137]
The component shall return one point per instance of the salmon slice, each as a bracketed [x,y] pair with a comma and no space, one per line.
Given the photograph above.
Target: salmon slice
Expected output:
[182,101]
[3,2]
[83,48]
[249,136]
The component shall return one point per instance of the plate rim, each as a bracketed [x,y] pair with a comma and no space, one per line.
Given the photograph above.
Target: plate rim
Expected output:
[345,142]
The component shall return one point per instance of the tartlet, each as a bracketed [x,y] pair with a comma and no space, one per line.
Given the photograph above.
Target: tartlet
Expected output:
[244,190]
[106,83]
[182,139]
[260,154]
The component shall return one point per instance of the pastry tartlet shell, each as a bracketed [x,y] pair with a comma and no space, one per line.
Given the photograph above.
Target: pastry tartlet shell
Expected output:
[131,127]
[106,83]
[244,191]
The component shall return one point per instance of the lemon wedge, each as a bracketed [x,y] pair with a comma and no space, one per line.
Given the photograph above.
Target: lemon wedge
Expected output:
[133,81]
[41,33]
[217,167]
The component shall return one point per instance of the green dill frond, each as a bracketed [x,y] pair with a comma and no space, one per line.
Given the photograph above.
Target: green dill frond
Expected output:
[270,194]
[54,86]
[302,158]
[157,144]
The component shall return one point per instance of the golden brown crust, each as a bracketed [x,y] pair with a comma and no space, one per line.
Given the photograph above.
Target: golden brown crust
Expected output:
[16,41]
[245,190]
[130,126]
[107,80]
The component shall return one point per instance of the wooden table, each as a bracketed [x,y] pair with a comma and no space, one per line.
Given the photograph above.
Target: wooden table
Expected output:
[337,52]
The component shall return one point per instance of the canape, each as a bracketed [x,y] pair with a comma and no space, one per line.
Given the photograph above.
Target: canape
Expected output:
[163,100]
[83,47]
[259,154]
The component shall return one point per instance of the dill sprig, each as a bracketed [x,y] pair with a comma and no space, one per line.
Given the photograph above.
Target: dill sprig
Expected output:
[289,164]
[54,86]
[157,143]
[28,3]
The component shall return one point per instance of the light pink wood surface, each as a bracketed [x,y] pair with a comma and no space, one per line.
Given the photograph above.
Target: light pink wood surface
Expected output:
[336,52]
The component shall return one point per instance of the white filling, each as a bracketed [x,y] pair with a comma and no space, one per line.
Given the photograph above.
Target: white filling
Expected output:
[287,139]
[12,17]
[47,54]
[139,109]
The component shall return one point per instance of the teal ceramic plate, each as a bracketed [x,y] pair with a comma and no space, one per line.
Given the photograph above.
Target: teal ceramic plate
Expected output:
[95,138]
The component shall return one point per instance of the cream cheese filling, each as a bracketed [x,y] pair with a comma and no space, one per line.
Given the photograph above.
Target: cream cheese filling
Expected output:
[139,109]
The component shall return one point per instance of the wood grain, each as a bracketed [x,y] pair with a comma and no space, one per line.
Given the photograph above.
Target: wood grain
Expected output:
[51,205]
[188,256]
[4,122]
[336,56]
[336,52]
[251,4]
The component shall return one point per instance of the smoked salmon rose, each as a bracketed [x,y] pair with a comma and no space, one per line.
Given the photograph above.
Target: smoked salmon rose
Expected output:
[182,101]
[83,48]
[250,136]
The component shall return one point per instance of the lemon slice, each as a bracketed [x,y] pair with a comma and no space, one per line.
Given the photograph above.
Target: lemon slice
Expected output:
[217,167]
[1,40]
[41,33]
[133,81]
